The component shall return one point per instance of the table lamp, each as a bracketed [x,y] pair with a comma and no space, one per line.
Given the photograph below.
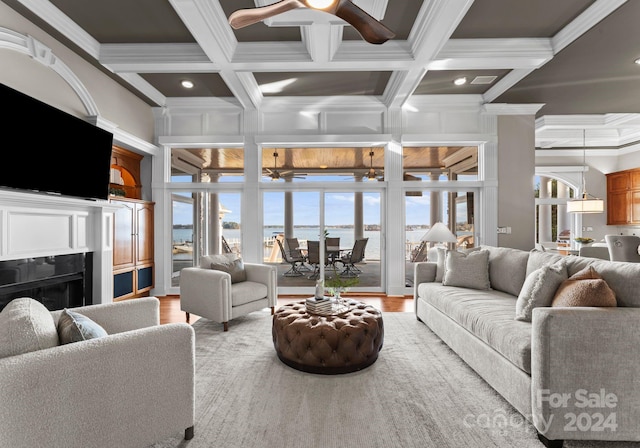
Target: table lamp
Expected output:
[439,233]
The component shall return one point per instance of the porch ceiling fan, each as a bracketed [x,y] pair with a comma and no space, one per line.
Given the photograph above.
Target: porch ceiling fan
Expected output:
[372,174]
[371,30]
[276,175]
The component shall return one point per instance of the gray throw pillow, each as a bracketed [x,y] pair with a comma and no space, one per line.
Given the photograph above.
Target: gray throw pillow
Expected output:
[76,327]
[26,325]
[467,270]
[539,288]
[206,260]
[441,258]
[235,268]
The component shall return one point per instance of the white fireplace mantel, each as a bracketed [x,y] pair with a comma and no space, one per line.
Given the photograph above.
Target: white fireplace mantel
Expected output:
[39,225]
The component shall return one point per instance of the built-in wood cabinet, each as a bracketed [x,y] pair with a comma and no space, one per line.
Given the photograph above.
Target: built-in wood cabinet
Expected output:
[623,197]
[133,266]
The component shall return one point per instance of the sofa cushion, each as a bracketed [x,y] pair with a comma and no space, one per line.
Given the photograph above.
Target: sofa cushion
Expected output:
[507,268]
[538,258]
[467,270]
[488,314]
[623,278]
[247,292]
[75,327]
[539,289]
[26,325]
[235,268]
[585,288]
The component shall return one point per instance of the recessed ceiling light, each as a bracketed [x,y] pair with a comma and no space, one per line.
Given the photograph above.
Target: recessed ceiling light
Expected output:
[637,61]
[187,84]
[460,81]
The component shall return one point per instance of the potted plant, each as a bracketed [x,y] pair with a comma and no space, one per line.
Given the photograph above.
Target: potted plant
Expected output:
[336,285]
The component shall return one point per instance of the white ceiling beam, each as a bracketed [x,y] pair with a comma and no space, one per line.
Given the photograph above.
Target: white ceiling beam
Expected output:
[480,54]
[63,24]
[207,22]
[434,25]
[156,58]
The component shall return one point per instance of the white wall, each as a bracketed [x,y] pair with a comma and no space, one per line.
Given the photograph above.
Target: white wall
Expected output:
[516,168]
[29,76]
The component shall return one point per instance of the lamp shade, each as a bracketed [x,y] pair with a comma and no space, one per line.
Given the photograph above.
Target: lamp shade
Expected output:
[439,233]
[585,205]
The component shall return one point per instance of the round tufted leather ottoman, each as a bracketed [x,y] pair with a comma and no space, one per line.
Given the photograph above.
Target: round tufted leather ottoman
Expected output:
[328,344]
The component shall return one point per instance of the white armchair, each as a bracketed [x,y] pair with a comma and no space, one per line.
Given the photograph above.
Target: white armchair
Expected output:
[210,293]
[131,388]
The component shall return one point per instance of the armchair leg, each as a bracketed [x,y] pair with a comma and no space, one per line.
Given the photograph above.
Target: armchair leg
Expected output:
[188,433]
[226,326]
[187,317]
[273,310]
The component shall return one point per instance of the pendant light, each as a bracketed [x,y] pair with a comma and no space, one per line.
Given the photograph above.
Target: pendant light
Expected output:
[587,203]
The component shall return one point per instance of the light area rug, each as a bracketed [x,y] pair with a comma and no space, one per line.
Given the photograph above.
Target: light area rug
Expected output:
[417,394]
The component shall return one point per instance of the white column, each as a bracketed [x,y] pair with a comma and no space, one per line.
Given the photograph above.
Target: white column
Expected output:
[564,220]
[435,211]
[358,213]
[288,213]
[214,225]
[544,211]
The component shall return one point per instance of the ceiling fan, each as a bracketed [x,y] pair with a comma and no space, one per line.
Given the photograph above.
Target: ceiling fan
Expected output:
[371,30]
[276,175]
[372,174]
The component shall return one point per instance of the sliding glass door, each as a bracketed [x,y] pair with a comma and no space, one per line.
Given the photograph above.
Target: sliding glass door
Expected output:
[292,219]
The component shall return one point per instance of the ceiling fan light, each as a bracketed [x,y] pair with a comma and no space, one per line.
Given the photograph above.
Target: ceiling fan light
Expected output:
[320,4]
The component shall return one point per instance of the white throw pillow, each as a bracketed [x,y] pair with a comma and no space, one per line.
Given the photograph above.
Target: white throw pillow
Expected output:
[467,270]
[539,288]
[26,325]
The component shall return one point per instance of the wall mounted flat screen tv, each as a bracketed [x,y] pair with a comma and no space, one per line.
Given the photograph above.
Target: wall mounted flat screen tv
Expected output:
[47,150]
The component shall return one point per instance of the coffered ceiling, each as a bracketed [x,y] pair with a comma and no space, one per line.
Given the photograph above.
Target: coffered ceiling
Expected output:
[574,56]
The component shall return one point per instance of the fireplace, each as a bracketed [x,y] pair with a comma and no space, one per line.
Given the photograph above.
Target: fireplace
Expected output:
[60,281]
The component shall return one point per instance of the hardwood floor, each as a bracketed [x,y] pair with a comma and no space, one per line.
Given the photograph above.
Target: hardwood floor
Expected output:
[170,305]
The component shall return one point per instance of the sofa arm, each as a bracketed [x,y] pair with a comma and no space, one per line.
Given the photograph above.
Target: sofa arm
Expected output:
[198,286]
[121,316]
[129,389]
[583,373]
[423,272]
[265,274]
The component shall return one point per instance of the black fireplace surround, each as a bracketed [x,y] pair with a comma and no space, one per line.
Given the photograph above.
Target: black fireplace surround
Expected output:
[60,281]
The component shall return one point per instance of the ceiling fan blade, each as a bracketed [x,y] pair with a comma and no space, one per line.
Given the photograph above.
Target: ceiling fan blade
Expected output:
[249,16]
[369,28]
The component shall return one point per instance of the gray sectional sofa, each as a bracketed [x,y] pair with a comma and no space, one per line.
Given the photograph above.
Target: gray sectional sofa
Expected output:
[571,371]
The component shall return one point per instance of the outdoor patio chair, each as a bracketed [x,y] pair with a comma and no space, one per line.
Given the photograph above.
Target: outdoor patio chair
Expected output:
[332,242]
[292,245]
[313,258]
[226,249]
[295,262]
[419,253]
[356,255]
